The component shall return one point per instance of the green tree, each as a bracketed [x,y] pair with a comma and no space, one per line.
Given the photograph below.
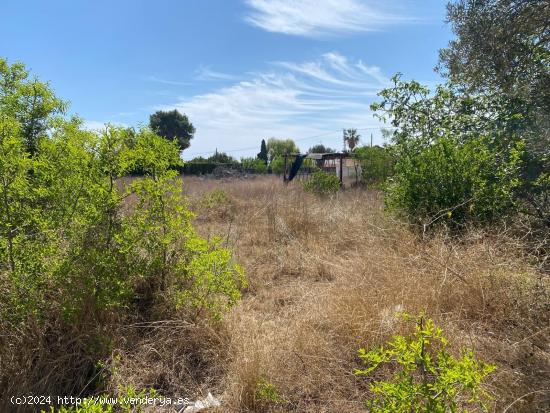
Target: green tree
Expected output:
[320,148]
[501,45]
[174,126]
[457,157]
[31,102]
[254,165]
[376,163]
[280,147]
[263,155]
[502,48]
[351,137]
[222,157]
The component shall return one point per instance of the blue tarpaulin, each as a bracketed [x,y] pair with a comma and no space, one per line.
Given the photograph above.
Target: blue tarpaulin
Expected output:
[295,167]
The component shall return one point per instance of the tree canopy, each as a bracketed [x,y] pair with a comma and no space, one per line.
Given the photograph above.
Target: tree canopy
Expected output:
[174,126]
[453,152]
[222,157]
[30,102]
[501,53]
[263,152]
[278,147]
[503,46]
[320,148]
[351,137]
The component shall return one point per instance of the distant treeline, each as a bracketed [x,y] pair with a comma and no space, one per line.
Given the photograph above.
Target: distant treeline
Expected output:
[205,168]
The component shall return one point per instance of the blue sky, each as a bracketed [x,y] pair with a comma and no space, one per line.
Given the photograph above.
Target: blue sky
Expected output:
[242,70]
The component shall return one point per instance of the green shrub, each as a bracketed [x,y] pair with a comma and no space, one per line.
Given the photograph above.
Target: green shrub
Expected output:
[322,183]
[462,157]
[277,165]
[198,168]
[64,230]
[254,165]
[208,281]
[215,198]
[426,377]
[83,247]
[266,392]
[184,270]
[87,406]
[454,182]
[376,164]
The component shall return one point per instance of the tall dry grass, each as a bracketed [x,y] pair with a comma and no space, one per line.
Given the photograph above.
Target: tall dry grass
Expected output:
[326,277]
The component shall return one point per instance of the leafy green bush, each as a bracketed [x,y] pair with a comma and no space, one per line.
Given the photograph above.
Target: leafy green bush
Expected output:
[322,183]
[214,199]
[82,245]
[208,281]
[254,165]
[426,377]
[198,168]
[458,158]
[376,163]
[87,406]
[66,219]
[455,183]
[277,165]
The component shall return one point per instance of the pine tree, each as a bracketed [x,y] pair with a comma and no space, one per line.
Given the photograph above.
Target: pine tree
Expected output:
[263,152]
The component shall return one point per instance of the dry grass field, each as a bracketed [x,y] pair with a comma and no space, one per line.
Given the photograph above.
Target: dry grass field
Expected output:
[326,277]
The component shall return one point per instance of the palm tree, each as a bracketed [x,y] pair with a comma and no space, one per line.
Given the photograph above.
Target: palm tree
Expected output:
[351,137]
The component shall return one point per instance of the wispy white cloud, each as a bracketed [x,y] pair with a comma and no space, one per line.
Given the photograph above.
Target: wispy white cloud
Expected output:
[206,73]
[294,100]
[95,125]
[315,18]
[125,114]
[156,79]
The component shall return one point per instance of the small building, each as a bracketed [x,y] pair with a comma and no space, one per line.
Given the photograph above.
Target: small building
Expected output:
[343,165]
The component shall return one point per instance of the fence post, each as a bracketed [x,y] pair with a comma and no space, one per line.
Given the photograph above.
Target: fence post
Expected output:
[341,169]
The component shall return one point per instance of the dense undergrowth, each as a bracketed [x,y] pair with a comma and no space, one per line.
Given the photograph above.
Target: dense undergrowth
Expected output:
[83,254]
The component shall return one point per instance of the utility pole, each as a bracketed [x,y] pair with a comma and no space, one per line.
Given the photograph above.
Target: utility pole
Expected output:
[371,139]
